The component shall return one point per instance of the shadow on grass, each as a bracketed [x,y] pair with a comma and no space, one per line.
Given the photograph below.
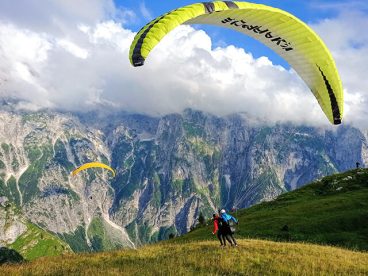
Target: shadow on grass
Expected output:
[10,256]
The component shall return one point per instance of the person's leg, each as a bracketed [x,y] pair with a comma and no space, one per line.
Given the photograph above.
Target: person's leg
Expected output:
[219,237]
[233,239]
[228,239]
[227,232]
[223,239]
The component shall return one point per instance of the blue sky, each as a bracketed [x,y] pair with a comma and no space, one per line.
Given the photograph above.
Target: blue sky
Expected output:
[58,55]
[306,10]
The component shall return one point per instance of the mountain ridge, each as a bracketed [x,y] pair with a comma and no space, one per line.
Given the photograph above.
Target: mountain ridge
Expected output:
[169,169]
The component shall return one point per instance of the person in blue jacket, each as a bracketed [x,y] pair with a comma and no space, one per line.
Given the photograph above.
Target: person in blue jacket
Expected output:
[226,229]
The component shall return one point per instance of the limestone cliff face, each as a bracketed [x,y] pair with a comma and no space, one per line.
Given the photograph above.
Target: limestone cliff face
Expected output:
[38,152]
[18,233]
[11,224]
[169,169]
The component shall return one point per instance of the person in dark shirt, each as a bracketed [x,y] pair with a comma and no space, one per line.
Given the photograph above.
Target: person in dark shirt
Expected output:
[224,226]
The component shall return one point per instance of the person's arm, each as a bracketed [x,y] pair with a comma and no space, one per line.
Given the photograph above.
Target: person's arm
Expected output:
[234,219]
[215,227]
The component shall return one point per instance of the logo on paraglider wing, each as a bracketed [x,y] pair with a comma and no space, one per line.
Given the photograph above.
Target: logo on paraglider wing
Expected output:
[284,44]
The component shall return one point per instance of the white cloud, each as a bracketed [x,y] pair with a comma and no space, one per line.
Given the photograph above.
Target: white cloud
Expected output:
[22,44]
[22,56]
[86,66]
[73,48]
[348,41]
[58,16]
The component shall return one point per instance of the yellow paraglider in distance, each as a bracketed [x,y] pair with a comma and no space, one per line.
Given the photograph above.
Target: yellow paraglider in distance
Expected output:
[92,165]
[279,30]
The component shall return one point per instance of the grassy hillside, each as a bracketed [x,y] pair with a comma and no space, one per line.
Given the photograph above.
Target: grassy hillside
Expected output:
[35,243]
[252,257]
[331,211]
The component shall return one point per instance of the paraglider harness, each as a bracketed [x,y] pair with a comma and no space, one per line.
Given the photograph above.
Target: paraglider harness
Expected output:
[232,227]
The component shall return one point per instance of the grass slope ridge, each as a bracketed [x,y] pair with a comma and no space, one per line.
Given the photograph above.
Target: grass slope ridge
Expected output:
[36,242]
[32,241]
[252,257]
[332,211]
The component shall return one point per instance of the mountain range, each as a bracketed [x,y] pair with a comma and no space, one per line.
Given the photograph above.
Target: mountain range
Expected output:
[169,169]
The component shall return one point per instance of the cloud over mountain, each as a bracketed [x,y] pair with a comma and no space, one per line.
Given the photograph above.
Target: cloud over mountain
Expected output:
[57,55]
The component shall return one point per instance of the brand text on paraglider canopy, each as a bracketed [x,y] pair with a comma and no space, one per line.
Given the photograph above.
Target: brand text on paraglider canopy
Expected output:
[258,30]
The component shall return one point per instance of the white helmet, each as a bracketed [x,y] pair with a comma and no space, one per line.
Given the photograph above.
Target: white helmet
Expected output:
[223,211]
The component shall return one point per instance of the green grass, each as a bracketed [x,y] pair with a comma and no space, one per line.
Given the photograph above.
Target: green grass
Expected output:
[98,233]
[76,240]
[12,190]
[252,257]
[35,243]
[332,211]
[29,179]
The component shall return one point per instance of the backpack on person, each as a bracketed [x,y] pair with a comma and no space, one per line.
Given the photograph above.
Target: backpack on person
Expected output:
[232,227]
[229,220]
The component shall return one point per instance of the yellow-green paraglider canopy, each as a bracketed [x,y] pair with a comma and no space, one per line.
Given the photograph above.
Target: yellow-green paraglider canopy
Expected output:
[288,36]
[93,165]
